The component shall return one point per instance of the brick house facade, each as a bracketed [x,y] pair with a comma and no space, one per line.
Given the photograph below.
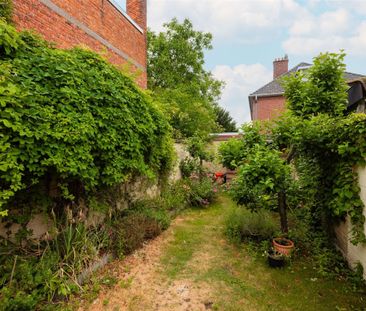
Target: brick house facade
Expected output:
[98,24]
[268,101]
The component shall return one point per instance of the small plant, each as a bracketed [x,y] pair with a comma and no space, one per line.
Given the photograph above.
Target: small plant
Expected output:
[242,225]
[189,166]
[201,192]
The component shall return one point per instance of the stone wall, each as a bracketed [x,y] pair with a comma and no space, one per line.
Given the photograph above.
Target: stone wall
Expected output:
[42,226]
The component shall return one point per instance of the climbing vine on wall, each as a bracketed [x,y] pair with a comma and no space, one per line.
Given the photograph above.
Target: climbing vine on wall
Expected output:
[72,114]
[324,141]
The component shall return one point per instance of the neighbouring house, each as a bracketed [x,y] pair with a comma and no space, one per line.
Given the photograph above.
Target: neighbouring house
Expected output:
[116,28]
[268,101]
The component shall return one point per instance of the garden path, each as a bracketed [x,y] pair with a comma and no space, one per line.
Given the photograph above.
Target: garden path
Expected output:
[191,267]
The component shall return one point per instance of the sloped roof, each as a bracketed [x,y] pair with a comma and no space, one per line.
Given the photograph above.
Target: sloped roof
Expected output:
[274,88]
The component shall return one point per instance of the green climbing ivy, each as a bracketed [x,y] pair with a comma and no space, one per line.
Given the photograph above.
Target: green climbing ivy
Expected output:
[71,114]
[6,10]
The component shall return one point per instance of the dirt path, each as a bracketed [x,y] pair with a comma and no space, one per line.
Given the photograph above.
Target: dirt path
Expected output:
[146,279]
[191,267]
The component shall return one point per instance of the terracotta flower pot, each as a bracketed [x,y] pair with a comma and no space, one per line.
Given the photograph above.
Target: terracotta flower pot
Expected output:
[283,245]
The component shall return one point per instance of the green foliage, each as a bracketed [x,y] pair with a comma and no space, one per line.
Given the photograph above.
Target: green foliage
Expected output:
[177,77]
[230,153]
[174,196]
[243,225]
[6,10]
[320,89]
[201,192]
[154,209]
[224,119]
[261,176]
[189,166]
[35,274]
[234,151]
[71,114]
[196,147]
[327,145]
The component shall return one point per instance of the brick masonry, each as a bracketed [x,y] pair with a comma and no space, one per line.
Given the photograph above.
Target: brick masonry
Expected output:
[96,24]
[265,108]
[280,66]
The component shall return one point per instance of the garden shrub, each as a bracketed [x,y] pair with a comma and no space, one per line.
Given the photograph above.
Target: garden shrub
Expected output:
[71,114]
[175,196]
[201,192]
[189,166]
[154,209]
[243,225]
[130,232]
[48,271]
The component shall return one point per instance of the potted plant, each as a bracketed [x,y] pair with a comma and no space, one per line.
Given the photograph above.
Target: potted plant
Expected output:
[276,259]
[283,245]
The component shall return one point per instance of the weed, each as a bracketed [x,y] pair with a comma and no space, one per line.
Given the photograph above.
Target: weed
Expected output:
[126,283]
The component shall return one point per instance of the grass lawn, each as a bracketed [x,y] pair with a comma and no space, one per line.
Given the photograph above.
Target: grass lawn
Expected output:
[240,279]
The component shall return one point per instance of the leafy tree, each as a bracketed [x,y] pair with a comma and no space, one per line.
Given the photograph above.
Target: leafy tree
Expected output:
[320,89]
[234,151]
[224,119]
[177,77]
[263,175]
[326,143]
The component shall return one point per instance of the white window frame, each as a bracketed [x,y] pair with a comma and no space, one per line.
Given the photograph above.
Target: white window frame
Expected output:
[124,13]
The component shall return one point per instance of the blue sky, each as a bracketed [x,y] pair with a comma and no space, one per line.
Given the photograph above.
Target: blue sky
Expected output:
[249,34]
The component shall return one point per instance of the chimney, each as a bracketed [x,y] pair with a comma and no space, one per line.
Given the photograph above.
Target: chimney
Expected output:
[136,9]
[280,66]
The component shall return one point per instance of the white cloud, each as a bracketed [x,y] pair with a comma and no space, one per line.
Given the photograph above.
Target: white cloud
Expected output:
[241,80]
[353,42]
[230,19]
[328,23]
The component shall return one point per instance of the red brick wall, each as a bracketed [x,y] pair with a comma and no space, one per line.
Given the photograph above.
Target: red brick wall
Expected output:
[268,107]
[117,37]
[280,66]
[137,10]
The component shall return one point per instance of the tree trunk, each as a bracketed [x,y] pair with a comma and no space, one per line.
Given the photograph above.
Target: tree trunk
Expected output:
[282,210]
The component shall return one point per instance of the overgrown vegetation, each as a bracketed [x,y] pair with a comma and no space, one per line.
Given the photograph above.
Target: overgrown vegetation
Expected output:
[243,225]
[177,77]
[321,141]
[6,10]
[239,277]
[309,156]
[38,276]
[70,116]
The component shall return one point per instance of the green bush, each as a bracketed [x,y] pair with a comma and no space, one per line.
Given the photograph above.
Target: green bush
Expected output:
[242,225]
[175,196]
[72,115]
[130,232]
[154,209]
[189,166]
[201,192]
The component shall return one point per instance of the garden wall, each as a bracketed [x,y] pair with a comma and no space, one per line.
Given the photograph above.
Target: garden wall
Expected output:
[352,253]
[41,225]
[137,188]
